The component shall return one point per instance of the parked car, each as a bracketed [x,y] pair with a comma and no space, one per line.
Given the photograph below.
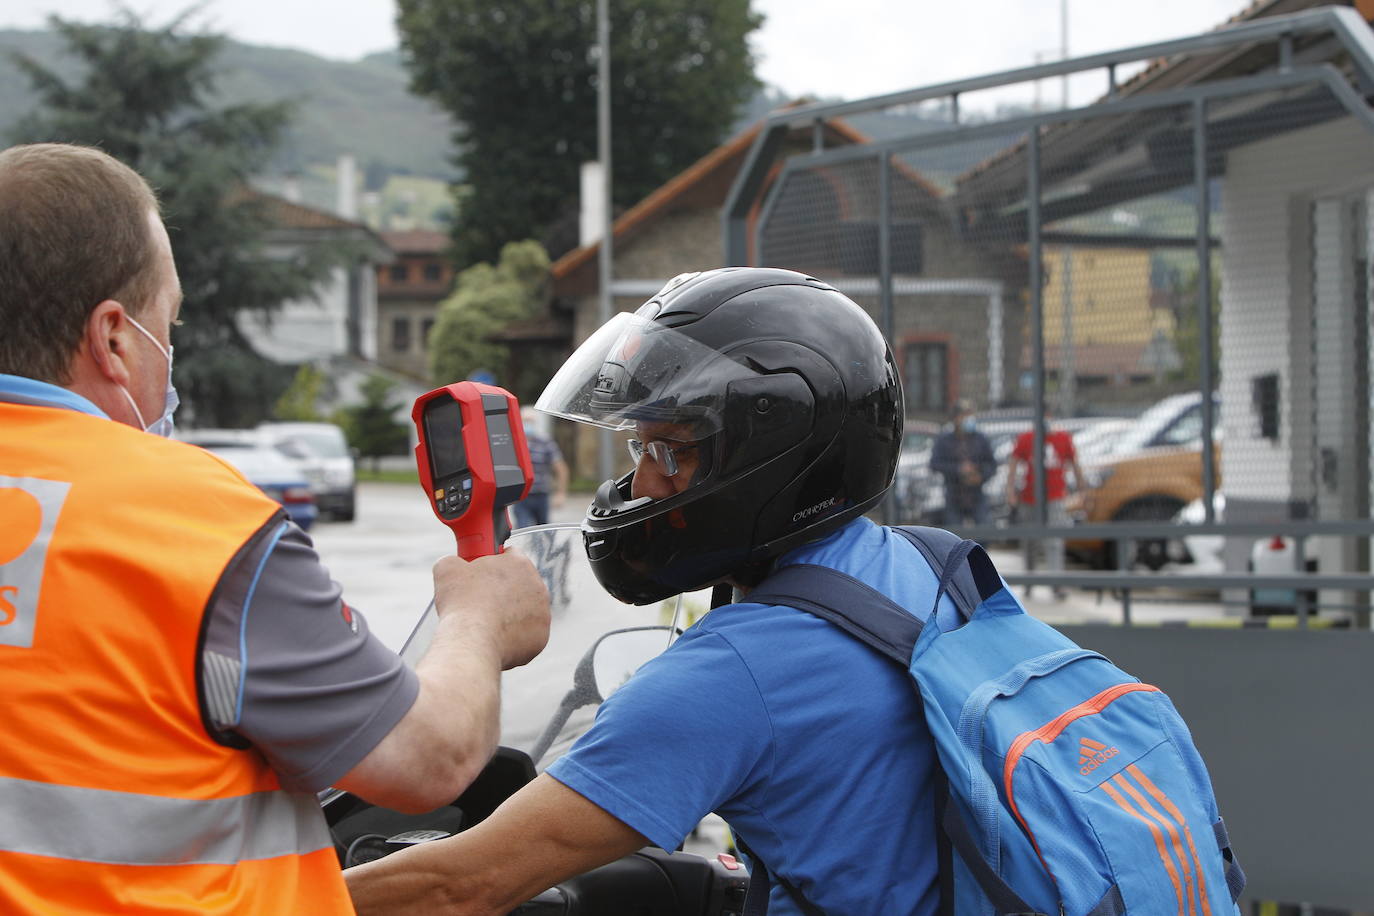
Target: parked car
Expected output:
[1202,551]
[1100,438]
[912,487]
[266,468]
[1152,471]
[324,453]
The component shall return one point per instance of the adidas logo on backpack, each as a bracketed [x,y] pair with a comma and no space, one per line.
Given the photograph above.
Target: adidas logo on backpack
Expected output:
[1073,788]
[1092,754]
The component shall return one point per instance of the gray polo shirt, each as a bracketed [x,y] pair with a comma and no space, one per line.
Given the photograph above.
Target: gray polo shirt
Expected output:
[287,667]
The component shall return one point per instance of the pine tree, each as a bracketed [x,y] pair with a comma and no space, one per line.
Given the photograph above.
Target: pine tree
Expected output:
[144,95]
[370,426]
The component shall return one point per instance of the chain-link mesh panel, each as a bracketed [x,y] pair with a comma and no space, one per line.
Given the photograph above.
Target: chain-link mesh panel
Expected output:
[823,221]
[1147,358]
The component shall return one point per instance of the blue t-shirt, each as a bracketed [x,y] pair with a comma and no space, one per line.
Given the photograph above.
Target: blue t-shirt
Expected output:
[808,743]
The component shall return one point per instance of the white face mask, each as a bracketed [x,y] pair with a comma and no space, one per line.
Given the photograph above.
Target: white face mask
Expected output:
[163,425]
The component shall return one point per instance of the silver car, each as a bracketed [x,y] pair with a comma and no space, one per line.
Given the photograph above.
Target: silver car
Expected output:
[324,454]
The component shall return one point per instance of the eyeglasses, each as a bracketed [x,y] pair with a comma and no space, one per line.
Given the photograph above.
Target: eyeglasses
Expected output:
[663,454]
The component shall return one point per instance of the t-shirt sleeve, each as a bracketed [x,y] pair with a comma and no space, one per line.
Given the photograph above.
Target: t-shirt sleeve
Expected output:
[678,739]
[290,669]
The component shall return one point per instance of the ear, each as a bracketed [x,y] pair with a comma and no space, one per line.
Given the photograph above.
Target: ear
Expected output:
[108,341]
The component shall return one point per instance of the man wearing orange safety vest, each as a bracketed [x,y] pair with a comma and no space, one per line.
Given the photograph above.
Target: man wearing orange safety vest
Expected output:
[181,674]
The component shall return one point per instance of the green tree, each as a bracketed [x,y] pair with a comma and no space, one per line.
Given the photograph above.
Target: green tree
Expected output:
[300,401]
[144,96]
[486,299]
[1188,329]
[370,426]
[519,77]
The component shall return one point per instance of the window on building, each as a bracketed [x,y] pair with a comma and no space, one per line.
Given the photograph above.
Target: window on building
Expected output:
[426,327]
[399,273]
[400,334]
[926,376]
[433,273]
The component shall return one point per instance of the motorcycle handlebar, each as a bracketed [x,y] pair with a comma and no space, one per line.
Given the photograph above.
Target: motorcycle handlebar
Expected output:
[659,883]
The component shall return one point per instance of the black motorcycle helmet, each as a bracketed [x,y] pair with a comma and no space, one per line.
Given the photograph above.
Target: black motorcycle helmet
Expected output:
[792,396]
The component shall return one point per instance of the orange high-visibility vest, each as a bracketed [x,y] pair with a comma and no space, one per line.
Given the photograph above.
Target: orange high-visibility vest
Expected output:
[113,795]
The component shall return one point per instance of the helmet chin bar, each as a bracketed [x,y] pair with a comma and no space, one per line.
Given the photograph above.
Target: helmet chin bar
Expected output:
[612,498]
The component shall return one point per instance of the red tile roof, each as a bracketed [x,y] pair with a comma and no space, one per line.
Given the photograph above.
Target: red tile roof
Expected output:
[290,215]
[658,202]
[416,241]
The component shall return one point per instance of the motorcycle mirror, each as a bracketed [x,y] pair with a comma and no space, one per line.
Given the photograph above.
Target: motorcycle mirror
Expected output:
[618,655]
[607,665]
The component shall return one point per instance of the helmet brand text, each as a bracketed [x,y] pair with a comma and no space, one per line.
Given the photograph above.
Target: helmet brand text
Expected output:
[818,507]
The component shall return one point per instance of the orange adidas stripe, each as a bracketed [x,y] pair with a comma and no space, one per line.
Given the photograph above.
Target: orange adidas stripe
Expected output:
[1178,817]
[1095,745]
[1150,811]
[1158,837]
[1047,733]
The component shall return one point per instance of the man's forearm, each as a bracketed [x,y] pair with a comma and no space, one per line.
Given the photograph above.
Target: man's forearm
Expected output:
[544,834]
[448,735]
[460,678]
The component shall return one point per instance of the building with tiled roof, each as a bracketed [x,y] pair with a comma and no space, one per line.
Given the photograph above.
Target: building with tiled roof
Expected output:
[340,319]
[409,290]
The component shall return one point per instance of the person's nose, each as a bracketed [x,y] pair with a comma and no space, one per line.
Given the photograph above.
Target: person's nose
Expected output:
[649,480]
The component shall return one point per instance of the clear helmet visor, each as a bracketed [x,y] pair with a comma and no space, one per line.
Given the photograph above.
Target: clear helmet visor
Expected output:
[633,371]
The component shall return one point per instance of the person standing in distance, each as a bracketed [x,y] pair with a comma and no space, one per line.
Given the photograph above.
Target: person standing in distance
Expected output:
[963,457]
[550,486]
[1060,456]
[182,675]
[765,412]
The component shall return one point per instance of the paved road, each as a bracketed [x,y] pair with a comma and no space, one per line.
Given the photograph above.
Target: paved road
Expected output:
[384,559]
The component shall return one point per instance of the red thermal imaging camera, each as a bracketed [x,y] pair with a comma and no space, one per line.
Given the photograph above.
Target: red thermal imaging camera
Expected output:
[473,461]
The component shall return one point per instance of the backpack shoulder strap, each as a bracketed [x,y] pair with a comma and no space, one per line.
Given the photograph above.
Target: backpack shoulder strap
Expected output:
[756,897]
[939,548]
[867,614]
[855,607]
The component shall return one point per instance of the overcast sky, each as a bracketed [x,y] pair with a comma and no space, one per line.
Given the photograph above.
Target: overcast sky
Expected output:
[831,48]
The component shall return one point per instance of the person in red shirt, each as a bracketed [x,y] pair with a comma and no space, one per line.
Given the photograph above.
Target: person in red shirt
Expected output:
[1059,456]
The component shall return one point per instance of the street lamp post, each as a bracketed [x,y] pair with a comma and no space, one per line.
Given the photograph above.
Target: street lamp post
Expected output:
[603,148]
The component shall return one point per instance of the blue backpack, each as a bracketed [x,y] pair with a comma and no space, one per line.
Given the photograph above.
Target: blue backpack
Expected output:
[1072,788]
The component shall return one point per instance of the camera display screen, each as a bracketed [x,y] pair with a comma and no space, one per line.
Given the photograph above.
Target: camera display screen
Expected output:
[444,433]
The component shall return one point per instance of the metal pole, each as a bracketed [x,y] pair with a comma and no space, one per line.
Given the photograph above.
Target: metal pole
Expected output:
[1204,296]
[1068,370]
[1037,320]
[885,264]
[1064,47]
[885,244]
[603,152]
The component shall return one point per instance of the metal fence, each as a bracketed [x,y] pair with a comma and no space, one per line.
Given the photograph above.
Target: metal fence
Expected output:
[1177,276]
[1202,227]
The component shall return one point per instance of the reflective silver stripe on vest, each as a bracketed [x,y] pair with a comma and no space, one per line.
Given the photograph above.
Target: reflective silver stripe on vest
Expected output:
[124,828]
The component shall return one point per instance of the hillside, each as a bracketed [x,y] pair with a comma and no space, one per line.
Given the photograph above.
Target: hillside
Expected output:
[361,107]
